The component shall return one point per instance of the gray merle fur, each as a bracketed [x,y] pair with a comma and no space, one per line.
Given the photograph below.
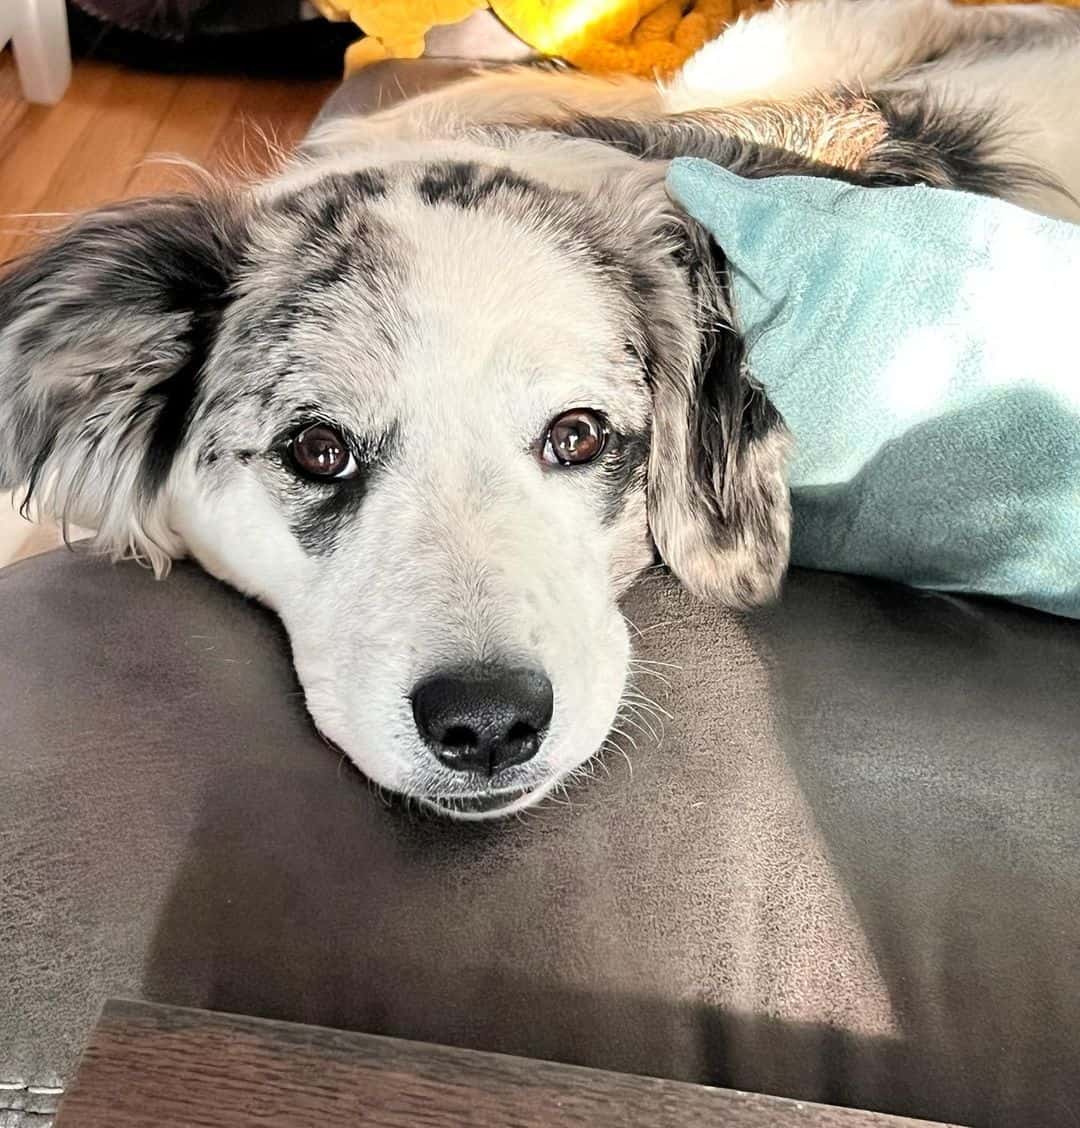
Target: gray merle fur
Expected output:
[103,337]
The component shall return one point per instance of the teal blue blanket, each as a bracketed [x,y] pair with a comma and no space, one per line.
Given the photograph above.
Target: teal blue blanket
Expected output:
[922,346]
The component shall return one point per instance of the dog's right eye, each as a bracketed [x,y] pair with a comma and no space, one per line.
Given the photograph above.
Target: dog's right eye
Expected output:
[320,452]
[574,438]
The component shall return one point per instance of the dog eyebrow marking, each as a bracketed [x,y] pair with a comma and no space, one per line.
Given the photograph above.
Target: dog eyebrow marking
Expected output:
[331,199]
[460,184]
[453,182]
[362,251]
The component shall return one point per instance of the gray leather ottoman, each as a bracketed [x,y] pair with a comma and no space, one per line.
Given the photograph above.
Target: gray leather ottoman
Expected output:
[850,871]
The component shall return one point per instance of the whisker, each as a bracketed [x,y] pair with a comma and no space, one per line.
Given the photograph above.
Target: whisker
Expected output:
[632,625]
[635,661]
[655,674]
[642,632]
[625,736]
[611,746]
[599,763]
[634,694]
[648,730]
[641,710]
[381,792]
[655,723]
[643,714]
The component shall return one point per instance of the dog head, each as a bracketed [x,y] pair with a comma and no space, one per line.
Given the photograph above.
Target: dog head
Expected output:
[436,409]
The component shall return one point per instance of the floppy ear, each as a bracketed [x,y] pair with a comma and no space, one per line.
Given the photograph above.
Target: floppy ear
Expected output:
[103,334]
[719,505]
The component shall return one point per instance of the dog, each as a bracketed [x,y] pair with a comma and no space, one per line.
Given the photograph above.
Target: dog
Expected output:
[439,391]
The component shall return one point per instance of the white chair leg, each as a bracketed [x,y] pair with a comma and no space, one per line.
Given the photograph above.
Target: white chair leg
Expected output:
[42,49]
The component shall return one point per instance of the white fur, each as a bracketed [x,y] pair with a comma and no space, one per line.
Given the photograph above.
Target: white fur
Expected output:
[466,548]
[797,49]
[492,579]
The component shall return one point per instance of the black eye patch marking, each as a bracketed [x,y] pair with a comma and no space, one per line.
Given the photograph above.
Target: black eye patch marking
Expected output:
[319,512]
[623,471]
[317,522]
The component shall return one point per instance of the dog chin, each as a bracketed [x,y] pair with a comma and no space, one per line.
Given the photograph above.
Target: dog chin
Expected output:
[492,805]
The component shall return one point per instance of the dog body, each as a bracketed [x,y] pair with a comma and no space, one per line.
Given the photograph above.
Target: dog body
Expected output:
[439,392]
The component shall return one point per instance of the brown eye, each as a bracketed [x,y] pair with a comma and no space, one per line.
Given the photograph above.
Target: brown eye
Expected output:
[320,452]
[575,437]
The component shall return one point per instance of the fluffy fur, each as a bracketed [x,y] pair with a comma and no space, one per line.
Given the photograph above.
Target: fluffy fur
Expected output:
[440,281]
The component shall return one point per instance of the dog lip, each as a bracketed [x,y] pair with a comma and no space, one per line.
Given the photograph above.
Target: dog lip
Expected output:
[476,804]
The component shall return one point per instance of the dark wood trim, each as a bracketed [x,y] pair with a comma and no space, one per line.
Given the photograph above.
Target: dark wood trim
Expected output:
[166,1067]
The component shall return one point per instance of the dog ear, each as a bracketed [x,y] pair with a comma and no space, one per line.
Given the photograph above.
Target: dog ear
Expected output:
[719,504]
[103,334]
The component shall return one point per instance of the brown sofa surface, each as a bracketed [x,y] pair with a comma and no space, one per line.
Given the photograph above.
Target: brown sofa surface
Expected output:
[849,872]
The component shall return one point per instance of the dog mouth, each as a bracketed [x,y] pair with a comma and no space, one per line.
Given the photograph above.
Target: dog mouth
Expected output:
[489,806]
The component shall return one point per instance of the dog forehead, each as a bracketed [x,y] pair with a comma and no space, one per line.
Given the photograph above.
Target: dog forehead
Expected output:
[470,230]
[502,342]
[483,293]
[428,293]
[408,284]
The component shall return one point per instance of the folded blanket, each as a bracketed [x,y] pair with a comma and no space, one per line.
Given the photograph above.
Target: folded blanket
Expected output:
[921,345]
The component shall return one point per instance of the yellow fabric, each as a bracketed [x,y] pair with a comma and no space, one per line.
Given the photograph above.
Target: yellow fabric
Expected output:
[394,29]
[644,37]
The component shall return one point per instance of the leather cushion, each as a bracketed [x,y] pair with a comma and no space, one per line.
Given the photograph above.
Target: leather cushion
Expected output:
[849,872]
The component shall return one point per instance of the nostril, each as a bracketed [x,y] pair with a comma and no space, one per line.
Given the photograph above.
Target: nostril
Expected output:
[458,736]
[522,743]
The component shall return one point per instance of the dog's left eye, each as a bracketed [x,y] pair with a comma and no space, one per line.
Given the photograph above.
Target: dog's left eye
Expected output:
[320,452]
[574,438]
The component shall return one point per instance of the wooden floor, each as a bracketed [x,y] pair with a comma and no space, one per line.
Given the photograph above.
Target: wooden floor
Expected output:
[94,146]
[97,145]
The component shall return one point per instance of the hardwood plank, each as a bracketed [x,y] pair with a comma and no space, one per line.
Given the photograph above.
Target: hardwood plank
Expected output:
[189,129]
[168,1067]
[99,163]
[269,117]
[42,147]
[12,105]
[93,147]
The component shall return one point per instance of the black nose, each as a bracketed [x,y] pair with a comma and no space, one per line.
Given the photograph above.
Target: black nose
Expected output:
[483,720]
